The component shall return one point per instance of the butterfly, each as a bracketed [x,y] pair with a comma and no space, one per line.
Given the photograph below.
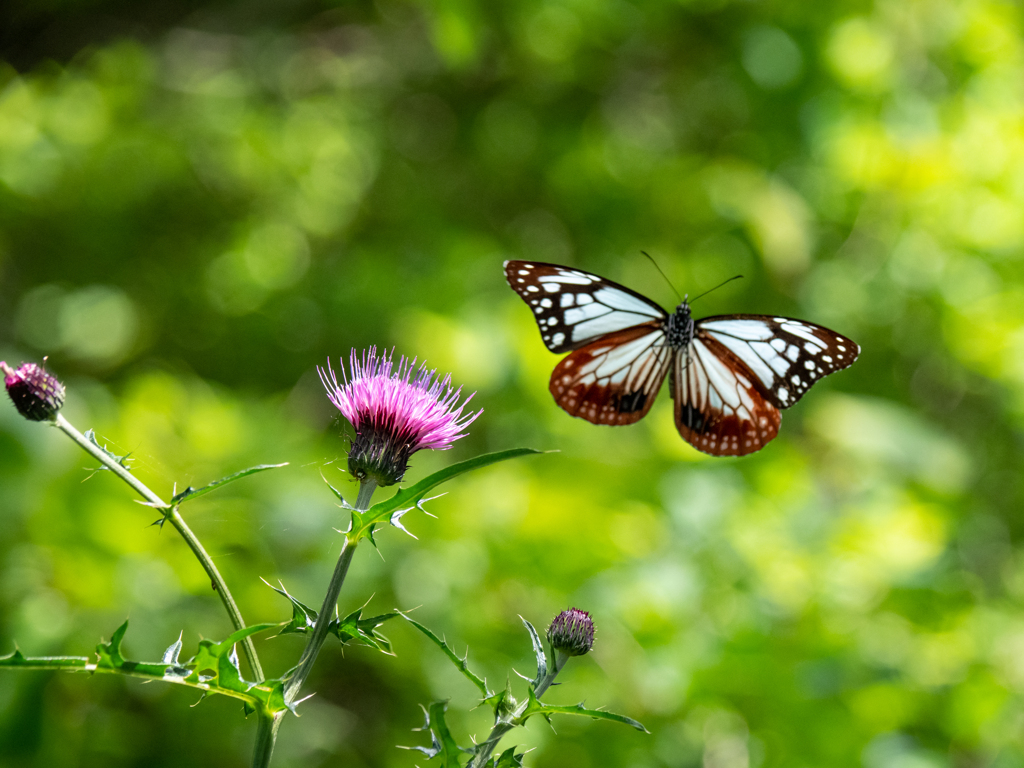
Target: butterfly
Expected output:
[729,375]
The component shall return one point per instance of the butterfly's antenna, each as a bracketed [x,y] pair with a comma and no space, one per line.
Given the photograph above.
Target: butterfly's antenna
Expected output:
[734,277]
[651,258]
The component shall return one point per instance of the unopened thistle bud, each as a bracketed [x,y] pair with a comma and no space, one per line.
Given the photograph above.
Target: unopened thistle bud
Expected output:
[396,411]
[572,632]
[35,393]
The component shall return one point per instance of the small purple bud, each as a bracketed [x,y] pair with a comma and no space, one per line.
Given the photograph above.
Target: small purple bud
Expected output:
[36,394]
[572,632]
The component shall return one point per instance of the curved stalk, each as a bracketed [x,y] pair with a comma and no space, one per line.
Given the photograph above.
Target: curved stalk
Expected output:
[171,514]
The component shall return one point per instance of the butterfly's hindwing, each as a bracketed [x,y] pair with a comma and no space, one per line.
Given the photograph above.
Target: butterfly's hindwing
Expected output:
[718,408]
[615,379]
[573,308]
[784,356]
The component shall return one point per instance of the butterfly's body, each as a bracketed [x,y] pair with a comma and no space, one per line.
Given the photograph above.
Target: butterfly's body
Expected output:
[679,328]
[729,375]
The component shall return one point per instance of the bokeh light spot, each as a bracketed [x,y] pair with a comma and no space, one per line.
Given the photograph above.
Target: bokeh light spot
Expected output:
[771,57]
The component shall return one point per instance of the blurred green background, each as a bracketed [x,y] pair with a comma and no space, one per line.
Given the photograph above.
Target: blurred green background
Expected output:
[200,202]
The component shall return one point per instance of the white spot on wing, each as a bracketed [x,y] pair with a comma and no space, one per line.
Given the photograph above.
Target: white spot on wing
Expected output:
[564,278]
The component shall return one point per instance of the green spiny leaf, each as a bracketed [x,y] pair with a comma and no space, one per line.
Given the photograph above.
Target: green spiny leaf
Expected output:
[441,741]
[413,496]
[535,707]
[173,650]
[90,435]
[538,650]
[509,759]
[192,493]
[336,492]
[214,669]
[503,703]
[351,628]
[435,745]
[459,662]
[449,749]
[303,617]
[354,627]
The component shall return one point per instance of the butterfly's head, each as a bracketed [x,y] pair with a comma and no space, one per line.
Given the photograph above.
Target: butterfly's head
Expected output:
[680,325]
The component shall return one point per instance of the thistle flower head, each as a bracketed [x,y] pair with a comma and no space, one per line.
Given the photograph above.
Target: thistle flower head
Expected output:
[572,632]
[395,411]
[35,393]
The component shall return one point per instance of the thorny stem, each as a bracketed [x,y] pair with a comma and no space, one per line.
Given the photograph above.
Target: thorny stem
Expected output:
[171,515]
[266,735]
[486,748]
[330,606]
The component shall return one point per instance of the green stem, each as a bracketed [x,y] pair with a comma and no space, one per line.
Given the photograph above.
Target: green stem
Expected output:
[330,605]
[171,514]
[266,738]
[487,747]
[266,735]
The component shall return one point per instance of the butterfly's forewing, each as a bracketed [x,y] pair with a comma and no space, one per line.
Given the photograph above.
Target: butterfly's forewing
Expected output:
[784,356]
[573,308]
[718,407]
[614,379]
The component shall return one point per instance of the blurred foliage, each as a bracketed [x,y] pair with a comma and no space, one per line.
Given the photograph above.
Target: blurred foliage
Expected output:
[199,202]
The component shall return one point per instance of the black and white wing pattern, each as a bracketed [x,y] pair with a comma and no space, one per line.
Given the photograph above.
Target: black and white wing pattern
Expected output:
[614,379]
[719,409]
[731,374]
[784,356]
[573,307]
[730,383]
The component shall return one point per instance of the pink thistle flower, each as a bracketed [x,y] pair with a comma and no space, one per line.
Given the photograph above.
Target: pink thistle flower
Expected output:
[36,394]
[395,411]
